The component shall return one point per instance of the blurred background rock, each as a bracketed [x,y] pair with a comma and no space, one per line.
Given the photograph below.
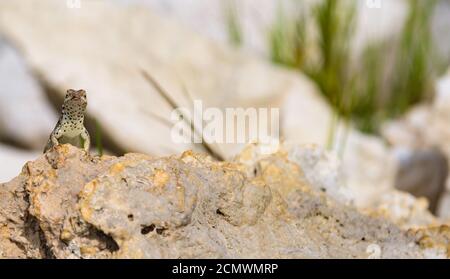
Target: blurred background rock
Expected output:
[368,83]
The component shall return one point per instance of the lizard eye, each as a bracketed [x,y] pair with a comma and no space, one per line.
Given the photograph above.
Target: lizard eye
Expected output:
[70,94]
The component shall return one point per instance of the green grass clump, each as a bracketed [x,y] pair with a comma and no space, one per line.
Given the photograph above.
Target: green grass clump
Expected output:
[335,23]
[385,90]
[287,40]
[233,24]
[385,81]
[415,65]
[373,89]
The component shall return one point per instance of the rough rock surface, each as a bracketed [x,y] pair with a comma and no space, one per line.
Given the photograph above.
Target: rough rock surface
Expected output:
[66,204]
[369,189]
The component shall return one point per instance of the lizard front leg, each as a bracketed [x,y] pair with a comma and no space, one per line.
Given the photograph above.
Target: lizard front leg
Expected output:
[53,140]
[87,140]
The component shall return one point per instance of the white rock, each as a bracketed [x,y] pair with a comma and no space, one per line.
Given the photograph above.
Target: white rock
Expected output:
[373,251]
[369,168]
[375,196]
[26,118]
[322,169]
[426,126]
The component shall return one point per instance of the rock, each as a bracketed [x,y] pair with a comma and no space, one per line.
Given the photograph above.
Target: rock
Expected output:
[106,57]
[433,240]
[371,171]
[369,168]
[19,231]
[423,128]
[366,182]
[423,173]
[66,204]
[26,119]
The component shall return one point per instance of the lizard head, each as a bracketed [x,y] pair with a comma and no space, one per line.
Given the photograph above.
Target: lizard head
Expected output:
[76,98]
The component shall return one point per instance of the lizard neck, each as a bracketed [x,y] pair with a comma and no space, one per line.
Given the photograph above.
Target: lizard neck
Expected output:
[72,114]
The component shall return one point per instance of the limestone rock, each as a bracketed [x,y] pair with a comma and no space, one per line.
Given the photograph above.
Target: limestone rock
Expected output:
[291,204]
[351,184]
[66,204]
[19,232]
[434,241]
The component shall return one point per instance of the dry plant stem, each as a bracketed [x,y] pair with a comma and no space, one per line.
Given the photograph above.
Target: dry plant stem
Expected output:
[188,121]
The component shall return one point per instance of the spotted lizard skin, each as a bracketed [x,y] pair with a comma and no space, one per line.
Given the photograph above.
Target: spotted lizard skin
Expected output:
[70,127]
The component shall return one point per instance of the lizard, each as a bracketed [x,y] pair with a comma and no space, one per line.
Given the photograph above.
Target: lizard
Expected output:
[70,126]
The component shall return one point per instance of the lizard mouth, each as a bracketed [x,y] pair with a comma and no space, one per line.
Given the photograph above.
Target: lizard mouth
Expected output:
[78,98]
[78,101]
